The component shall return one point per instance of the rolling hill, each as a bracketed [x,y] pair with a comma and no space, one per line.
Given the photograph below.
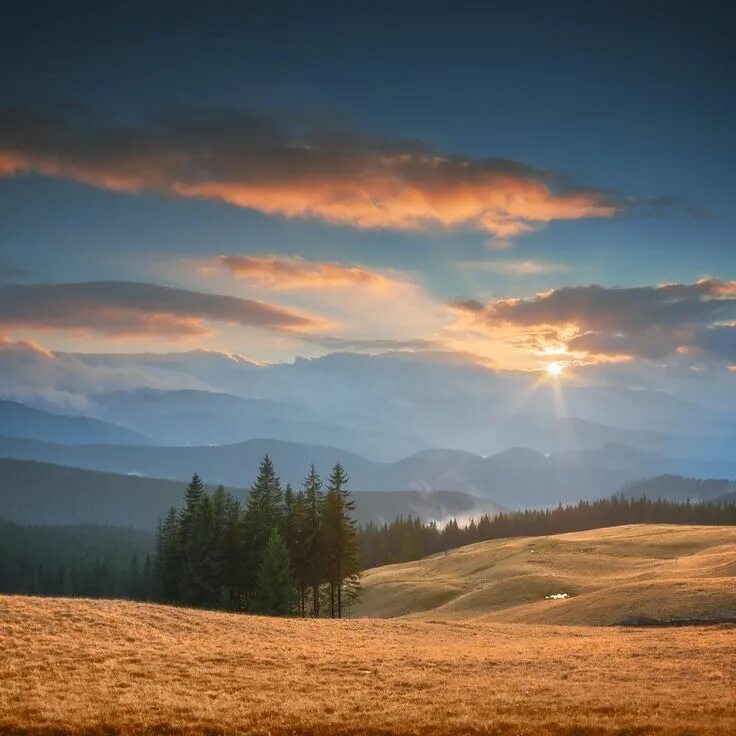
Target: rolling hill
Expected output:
[607,575]
[43,493]
[19,420]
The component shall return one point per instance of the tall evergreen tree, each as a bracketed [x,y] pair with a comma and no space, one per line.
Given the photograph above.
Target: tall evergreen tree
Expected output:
[313,510]
[263,514]
[276,594]
[340,539]
[195,525]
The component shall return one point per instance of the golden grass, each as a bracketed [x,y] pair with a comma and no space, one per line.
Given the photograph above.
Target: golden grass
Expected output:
[95,668]
[662,571]
[113,667]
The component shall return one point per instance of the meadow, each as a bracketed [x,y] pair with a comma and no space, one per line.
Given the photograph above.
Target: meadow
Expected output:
[611,575]
[80,667]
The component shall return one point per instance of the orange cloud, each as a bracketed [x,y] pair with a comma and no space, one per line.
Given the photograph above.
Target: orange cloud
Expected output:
[341,179]
[294,272]
[127,309]
[514,268]
[599,323]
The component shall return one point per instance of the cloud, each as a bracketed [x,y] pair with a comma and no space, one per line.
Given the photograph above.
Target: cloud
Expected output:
[131,309]
[416,344]
[294,272]
[515,267]
[61,381]
[695,320]
[285,170]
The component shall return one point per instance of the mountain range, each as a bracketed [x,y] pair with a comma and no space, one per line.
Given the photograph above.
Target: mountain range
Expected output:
[18,420]
[515,478]
[404,421]
[34,493]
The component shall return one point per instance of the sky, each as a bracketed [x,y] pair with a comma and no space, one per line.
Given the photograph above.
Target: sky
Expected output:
[522,184]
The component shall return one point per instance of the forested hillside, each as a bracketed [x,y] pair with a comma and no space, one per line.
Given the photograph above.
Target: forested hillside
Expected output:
[43,493]
[89,561]
[677,488]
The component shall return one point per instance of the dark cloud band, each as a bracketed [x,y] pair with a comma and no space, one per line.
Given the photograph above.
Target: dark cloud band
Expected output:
[123,308]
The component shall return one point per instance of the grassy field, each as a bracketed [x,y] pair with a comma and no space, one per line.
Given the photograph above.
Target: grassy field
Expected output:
[99,668]
[662,571]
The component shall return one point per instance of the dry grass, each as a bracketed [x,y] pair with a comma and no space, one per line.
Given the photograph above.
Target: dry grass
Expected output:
[111,667]
[659,570]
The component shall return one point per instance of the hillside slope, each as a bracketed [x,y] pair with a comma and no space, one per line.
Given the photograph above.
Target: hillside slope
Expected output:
[660,571]
[115,668]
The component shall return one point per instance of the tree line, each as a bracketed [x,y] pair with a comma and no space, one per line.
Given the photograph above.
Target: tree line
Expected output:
[284,552]
[207,552]
[76,560]
[407,538]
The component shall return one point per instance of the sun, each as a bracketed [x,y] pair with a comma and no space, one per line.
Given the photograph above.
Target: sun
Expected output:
[554,369]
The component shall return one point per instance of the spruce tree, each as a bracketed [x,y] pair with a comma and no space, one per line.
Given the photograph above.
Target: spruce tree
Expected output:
[196,541]
[340,535]
[263,514]
[276,594]
[313,502]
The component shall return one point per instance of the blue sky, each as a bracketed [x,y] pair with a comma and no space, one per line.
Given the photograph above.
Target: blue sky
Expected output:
[633,103]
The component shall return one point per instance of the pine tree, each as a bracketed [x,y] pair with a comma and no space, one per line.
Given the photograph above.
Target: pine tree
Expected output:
[313,503]
[195,524]
[276,594]
[340,536]
[263,514]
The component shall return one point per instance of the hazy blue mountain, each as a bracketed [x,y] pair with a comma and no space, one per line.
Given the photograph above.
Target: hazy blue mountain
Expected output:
[514,478]
[18,420]
[678,488]
[561,434]
[42,493]
[384,406]
[190,417]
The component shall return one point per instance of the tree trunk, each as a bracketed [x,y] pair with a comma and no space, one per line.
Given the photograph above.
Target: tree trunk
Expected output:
[339,600]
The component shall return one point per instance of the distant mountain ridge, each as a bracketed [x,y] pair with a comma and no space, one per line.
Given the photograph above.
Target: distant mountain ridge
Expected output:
[43,493]
[19,420]
[516,478]
[678,488]
[385,406]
